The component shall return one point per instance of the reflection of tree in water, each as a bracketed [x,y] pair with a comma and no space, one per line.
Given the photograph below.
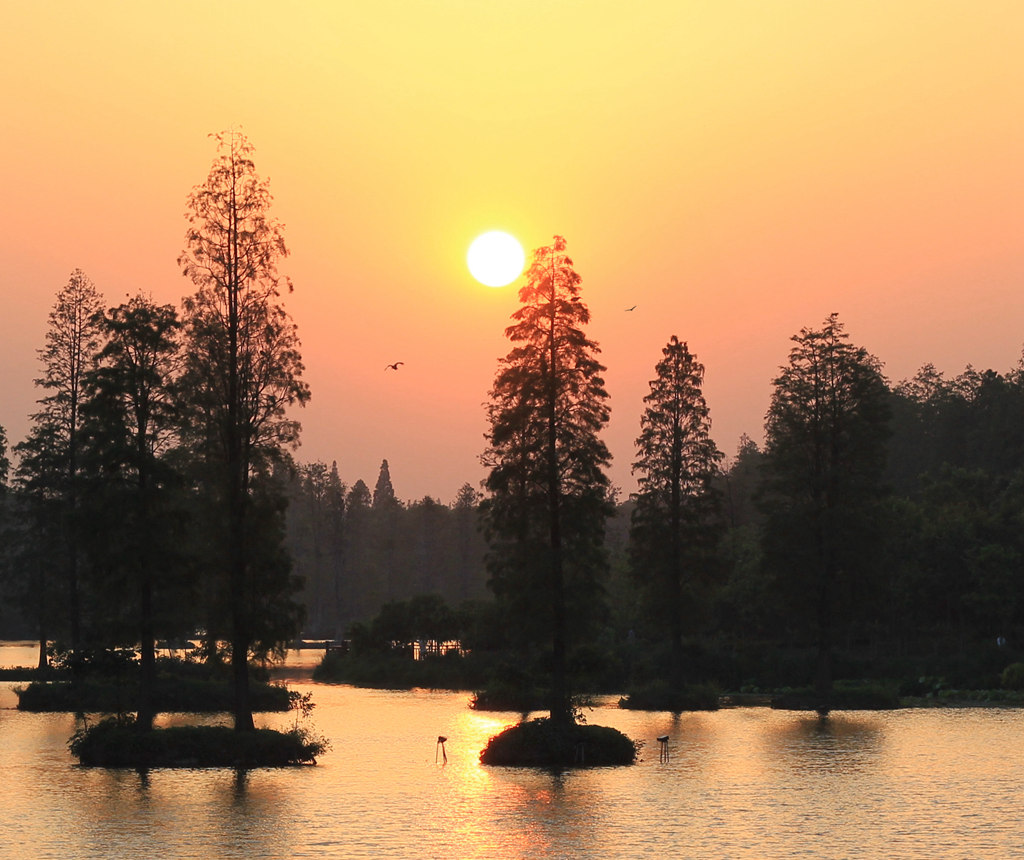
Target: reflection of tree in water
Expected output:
[542,808]
[248,811]
[838,744]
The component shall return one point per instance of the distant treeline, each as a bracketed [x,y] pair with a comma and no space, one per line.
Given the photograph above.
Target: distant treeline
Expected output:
[356,550]
[936,588]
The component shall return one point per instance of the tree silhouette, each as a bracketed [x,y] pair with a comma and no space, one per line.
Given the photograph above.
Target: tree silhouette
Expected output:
[672,530]
[824,457]
[469,547]
[548,490]
[127,427]
[383,491]
[243,369]
[49,465]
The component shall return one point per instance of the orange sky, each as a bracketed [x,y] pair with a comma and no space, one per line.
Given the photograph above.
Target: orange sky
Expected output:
[735,169]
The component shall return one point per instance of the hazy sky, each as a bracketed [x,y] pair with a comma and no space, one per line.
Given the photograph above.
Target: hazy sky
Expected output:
[737,170]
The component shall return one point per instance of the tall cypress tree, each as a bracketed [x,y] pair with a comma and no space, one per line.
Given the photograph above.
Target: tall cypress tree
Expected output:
[49,469]
[243,370]
[825,430]
[549,494]
[672,530]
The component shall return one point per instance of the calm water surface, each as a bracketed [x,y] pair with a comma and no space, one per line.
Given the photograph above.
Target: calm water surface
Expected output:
[743,783]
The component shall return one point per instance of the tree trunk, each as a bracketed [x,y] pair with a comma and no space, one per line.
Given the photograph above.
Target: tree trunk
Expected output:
[823,674]
[676,560]
[147,652]
[239,597]
[44,659]
[561,706]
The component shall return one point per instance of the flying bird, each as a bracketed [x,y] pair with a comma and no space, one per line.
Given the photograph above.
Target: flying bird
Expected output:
[631,309]
[394,366]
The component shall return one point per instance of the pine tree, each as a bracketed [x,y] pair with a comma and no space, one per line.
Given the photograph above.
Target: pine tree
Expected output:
[549,494]
[383,491]
[384,526]
[672,530]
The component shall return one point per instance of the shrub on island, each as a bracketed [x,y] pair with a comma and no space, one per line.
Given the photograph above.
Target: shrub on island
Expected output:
[542,743]
[118,742]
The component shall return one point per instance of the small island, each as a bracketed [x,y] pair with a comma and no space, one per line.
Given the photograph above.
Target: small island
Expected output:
[119,742]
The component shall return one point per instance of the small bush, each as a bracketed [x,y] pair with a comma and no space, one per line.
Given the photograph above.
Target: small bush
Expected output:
[541,743]
[1013,677]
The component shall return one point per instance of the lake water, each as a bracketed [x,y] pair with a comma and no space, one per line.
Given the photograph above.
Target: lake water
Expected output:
[738,783]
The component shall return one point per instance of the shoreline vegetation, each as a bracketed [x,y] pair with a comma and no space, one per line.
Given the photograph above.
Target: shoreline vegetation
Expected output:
[450,672]
[116,740]
[110,690]
[110,682]
[49,691]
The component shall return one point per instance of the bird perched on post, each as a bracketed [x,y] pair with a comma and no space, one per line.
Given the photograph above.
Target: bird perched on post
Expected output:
[440,743]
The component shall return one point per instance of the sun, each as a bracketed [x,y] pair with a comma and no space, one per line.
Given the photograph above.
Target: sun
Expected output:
[495,258]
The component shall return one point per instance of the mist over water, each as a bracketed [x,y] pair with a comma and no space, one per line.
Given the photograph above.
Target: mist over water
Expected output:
[743,783]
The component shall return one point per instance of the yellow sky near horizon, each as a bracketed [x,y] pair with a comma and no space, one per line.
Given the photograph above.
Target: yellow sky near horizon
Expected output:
[735,169]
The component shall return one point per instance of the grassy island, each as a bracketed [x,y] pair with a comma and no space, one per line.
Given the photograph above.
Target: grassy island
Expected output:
[118,742]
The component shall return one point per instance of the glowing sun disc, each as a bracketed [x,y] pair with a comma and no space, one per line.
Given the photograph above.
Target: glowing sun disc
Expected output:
[495,258]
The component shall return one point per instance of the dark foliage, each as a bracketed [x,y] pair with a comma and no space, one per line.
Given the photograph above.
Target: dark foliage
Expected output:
[660,696]
[169,695]
[117,743]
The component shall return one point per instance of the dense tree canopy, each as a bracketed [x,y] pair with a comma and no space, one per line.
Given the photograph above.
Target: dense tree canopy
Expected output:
[127,428]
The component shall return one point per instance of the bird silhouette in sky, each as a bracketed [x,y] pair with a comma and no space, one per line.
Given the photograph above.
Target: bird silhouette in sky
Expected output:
[394,366]
[631,309]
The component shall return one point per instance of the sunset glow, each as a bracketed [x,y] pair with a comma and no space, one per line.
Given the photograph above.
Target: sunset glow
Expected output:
[736,170]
